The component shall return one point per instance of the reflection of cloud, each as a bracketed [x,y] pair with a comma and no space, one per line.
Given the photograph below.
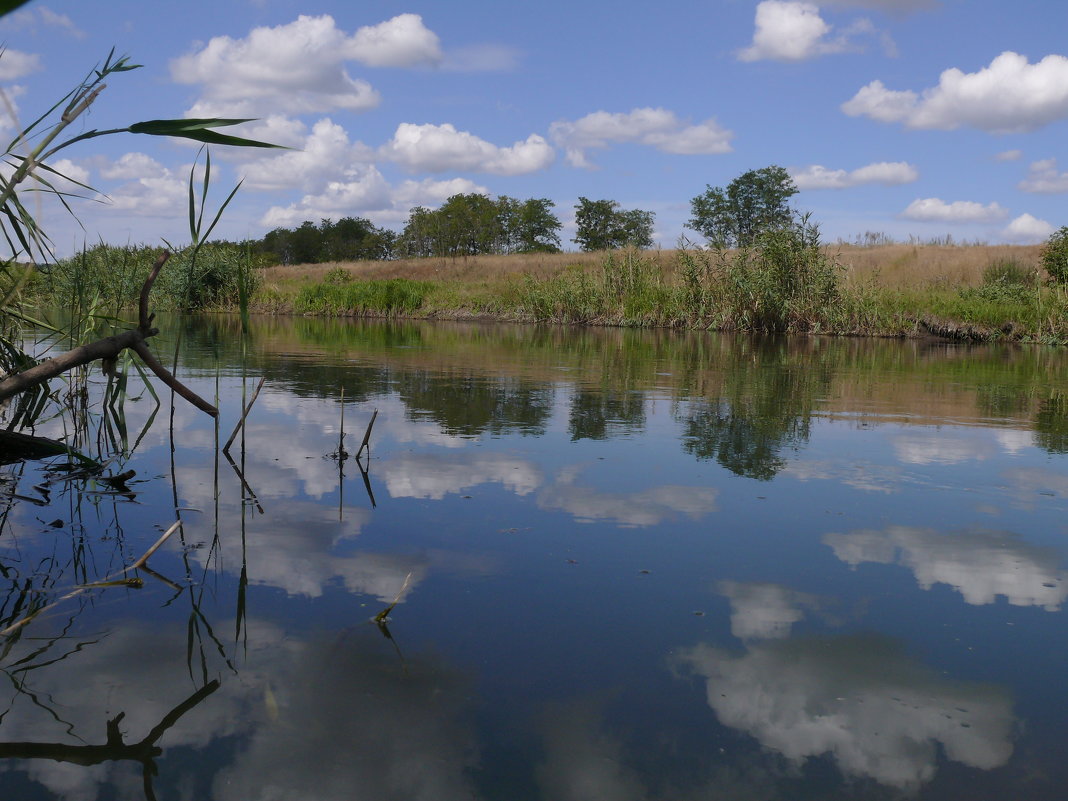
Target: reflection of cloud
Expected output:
[433,476]
[764,611]
[301,550]
[332,719]
[980,565]
[860,475]
[1031,480]
[582,762]
[646,508]
[352,724]
[859,699]
[915,449]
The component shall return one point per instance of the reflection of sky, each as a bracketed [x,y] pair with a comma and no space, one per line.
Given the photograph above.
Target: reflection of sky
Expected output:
[765,611]
[646,507]
[332,718]
[860,699]
[980,565]
[433,476]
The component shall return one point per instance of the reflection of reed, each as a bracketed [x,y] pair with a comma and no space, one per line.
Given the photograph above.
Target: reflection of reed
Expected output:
[144,751]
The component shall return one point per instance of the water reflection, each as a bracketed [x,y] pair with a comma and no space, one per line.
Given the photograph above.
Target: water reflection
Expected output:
[860,699]
[433,476]
[766,611]
[980,565]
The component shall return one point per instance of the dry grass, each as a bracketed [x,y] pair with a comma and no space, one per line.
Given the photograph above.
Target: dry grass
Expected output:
[896,266]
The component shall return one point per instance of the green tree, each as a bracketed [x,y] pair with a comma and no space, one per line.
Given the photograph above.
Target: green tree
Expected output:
[537,229]
[603,225]
[754,202]
[1055,256]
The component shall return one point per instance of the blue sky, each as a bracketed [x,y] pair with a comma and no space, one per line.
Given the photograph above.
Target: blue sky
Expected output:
[908,117]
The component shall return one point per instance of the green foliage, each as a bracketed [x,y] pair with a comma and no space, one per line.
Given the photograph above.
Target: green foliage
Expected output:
[388,297]
[109,278]
[473,224]
[752,203]
[603,225]
[1055,256]
[1010,272]
[347,239]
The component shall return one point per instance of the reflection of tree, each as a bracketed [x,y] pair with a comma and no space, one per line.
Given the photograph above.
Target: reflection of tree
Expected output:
[467,404]
[1051,424]
[765,405]
[594,413]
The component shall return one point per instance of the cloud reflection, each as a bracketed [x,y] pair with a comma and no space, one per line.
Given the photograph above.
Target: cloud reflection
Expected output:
[433,476]
[980,565]
[859,699]
[765,611]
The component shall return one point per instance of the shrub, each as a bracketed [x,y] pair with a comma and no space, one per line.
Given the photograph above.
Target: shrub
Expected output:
[1009,271]
[1055,256]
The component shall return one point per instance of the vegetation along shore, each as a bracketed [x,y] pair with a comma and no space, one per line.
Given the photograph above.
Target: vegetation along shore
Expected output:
[763,267]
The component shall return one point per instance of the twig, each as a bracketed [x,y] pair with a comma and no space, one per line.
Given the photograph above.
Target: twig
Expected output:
[244,414]
[102,583]
[367,436]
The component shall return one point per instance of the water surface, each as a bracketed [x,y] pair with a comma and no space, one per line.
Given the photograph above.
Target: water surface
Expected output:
[626,565]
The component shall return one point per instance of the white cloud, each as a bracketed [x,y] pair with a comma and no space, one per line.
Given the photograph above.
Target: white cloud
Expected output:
[132,166]
[436,148]
[1009,96]
[795,31]
[980,565]
[861,700]
[299,67]
[152,190]
[655,127]
[16,64]
[933,209]
[1027,230]
[364,192]
[1009,155]
[1043,177]
[326,153]
[399,42]
[888,173]
[50,17]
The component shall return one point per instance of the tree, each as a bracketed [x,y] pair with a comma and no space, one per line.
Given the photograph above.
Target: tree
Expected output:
[603,225]
[1055,256]
[536,227]
[752,203]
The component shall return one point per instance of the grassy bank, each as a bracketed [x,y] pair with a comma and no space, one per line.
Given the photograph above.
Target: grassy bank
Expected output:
[790,284]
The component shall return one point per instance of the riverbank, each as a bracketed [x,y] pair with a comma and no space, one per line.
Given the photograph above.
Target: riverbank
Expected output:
[968,292]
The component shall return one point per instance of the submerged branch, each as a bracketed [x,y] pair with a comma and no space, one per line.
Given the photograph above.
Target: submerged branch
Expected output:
[109,348]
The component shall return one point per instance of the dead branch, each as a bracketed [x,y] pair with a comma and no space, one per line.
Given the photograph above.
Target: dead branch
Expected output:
[109,348]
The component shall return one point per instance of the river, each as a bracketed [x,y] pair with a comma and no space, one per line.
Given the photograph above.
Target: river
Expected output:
[622,565]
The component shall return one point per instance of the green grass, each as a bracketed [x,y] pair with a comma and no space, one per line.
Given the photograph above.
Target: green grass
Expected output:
[393,296]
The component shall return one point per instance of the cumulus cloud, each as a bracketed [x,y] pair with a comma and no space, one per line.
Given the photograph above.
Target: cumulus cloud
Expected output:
[300,66]
[655,127]
[888,173]
[933,209]
[31,18]
[795,31]
[980,565]
[326,152]
[16,64]
[151,190]
[903,6]
[1009,155]
[436,148]
[1027,230]
[859,699]
[365,192]
[1010,96]
[1043,177]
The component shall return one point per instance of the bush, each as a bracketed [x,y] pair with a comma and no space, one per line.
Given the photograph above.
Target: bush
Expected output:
[1055,256]
[1009,272]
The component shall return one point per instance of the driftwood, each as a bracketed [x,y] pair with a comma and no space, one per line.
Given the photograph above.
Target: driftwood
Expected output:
[109,348]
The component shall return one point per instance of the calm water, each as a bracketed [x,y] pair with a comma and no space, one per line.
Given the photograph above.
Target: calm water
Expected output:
[627,565]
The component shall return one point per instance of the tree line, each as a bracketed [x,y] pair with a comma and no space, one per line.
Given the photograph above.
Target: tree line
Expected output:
[472,224]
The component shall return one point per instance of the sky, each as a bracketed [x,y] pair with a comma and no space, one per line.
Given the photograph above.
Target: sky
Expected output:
[909,118]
